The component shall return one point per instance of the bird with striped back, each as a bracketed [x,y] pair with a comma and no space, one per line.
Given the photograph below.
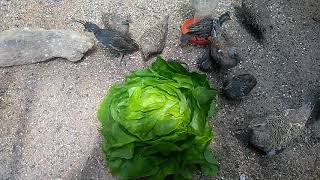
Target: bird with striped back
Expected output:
[117,42]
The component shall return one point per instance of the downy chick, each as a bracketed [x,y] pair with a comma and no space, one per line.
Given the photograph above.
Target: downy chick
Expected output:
[274,133]
[153,40]
[239,86]
[222,53]
[205,63]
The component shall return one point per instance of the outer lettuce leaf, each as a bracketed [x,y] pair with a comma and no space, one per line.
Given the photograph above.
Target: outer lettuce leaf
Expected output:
[155,123]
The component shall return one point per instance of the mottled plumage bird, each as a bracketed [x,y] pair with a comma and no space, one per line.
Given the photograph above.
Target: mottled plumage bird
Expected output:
[117,42]
[222,54]
[206,27]
[153,40]
[239,86]
[275,132]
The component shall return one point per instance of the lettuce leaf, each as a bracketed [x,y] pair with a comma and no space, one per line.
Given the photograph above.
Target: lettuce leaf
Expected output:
[155,124]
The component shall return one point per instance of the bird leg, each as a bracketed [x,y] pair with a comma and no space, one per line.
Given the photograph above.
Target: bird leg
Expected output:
[78,21]
[121,58]
[117,54]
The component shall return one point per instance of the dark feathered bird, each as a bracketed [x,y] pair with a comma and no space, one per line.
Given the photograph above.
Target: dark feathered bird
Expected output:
[206,27]
[205,63]
[117,42]
[239,86]
[222,54]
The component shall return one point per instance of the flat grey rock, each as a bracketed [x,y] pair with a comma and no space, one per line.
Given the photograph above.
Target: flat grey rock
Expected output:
[33,45]
[118,22]
[153,40]
[273,133]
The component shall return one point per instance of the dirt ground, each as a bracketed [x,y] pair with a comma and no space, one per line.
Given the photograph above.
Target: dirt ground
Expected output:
[49,128]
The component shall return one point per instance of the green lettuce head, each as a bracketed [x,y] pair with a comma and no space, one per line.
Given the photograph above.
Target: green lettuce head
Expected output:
[155,123]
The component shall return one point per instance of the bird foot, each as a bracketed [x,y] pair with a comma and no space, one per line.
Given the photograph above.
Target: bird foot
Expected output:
[121,60]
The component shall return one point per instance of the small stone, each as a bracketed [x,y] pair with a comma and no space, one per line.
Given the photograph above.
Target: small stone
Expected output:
[153,40]
[116,22]
[33,45]
[272,134]
[243,177]
[239,86]
[204,7]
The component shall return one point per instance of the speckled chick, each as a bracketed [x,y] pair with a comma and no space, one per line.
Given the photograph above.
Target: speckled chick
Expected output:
[273,133]
[153,40]
[223,54]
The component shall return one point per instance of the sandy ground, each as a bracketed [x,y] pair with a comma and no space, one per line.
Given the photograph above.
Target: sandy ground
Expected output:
[48,119]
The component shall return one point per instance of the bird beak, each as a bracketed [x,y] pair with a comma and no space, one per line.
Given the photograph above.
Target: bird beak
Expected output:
[78,21]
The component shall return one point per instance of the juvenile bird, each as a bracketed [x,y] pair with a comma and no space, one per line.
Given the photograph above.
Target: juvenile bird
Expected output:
[153,40]
[117,42]
[275,132]
[239,86]
[205,63]
[206,28]
[222,55]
